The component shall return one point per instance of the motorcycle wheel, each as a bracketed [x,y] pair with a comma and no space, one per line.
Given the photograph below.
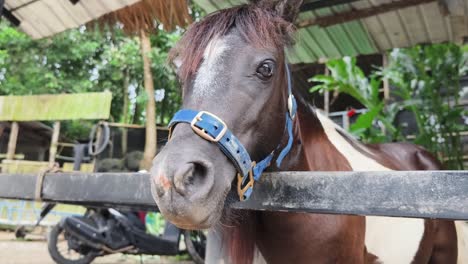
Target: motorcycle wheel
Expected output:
[195,241]
[56,244]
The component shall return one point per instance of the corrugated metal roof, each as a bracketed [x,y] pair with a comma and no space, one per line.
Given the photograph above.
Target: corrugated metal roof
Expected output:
[425,23]
[43,18]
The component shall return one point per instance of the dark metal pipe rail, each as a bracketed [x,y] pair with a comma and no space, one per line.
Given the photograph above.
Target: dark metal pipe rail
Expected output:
[421,194]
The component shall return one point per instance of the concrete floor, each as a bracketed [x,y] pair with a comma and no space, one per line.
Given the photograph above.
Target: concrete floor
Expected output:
[34,251]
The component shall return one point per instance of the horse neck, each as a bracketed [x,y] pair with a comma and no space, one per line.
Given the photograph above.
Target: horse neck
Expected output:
[312,149]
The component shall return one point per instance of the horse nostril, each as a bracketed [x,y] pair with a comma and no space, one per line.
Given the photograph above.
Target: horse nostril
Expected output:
[181,177]
[199,174]
[190,175]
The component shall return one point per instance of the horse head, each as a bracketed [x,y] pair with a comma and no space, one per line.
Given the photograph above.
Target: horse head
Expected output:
[236,110]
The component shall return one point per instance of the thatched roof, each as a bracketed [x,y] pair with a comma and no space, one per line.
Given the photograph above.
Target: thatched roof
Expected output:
[40,19]
[142,15]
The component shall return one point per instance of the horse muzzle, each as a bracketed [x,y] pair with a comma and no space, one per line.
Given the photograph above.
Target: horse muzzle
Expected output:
[184,184]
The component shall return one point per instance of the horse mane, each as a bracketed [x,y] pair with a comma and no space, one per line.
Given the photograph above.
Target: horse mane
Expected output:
[238,229]
[258,23]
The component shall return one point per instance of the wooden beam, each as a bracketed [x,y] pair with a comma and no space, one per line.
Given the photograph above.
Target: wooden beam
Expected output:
[10,17]
[2,129]
[420,194]
[352,15]
[14,130]
[54,143]
[55,107]
[112,124]
[323,3]
[453,7]
[17,156]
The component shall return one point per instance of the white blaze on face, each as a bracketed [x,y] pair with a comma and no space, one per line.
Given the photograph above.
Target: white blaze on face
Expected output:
[392,240]
[207,79]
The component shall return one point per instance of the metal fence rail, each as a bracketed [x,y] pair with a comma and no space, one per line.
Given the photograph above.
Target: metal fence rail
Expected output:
[422,194]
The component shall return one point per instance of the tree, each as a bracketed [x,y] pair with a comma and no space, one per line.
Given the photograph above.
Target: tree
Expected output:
[87,60]
[102,56]
[140,19]
[151,133]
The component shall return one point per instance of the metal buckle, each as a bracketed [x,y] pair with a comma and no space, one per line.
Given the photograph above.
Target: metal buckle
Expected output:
[201,132]
[291,100]
[250,183]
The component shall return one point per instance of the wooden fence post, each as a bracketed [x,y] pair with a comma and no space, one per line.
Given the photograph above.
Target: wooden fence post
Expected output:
[12,141]
[54,143]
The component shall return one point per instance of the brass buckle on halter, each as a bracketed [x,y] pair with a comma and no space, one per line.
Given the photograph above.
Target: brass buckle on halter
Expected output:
[202,133]
[250,182]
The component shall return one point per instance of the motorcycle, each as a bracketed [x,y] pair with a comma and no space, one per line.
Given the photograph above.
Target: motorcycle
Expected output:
[100,232]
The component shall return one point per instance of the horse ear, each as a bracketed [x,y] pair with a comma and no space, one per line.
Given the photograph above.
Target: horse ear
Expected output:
[288,9]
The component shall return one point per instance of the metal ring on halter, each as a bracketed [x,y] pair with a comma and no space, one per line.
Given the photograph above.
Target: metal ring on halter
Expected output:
[244,184]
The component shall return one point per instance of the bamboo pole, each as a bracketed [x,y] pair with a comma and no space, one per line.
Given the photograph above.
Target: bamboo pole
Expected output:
[124,140]
[12,141]
[151,134]
[54,143]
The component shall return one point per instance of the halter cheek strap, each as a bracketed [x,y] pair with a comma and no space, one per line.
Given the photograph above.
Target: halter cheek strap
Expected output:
[213,129]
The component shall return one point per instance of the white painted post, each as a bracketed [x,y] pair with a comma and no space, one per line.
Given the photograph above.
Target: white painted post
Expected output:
[326,95]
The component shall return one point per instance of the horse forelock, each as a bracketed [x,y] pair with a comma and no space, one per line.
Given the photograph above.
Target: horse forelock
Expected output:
[258,25]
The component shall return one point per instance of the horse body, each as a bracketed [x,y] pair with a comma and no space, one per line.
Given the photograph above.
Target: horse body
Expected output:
[232,65]
[322,146]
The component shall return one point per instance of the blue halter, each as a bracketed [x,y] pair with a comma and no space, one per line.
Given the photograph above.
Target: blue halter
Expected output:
[213,129]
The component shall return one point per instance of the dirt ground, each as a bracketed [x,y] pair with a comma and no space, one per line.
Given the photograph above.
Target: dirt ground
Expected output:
[34,251]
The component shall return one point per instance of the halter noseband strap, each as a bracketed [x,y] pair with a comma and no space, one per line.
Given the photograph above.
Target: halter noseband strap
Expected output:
[213,129]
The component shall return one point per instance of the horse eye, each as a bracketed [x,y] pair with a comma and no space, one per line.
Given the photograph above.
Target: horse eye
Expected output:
[266,69]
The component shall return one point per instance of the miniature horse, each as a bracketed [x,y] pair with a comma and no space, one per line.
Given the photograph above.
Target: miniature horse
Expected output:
[232,65]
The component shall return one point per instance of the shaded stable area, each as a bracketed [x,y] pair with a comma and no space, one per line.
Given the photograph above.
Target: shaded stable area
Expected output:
[33,140]
[124,150]
[135,140]
[24,112]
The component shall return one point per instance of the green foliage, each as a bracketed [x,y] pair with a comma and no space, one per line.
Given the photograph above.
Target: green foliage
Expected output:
[425,80]
[155,223]
[347,77]
[85,60]
[431,74]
